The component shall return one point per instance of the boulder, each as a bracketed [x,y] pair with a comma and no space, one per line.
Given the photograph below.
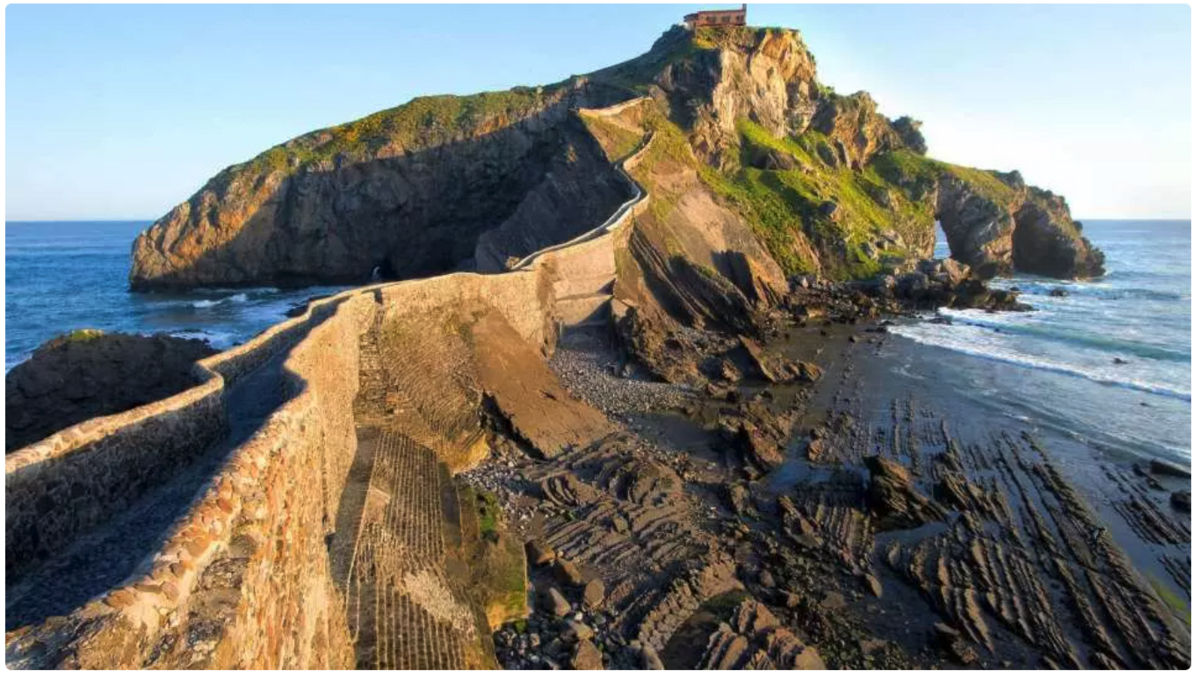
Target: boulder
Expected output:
[803,372]
[955,272]
[88,373]
[556,603]
[894,499]
[538,553]
[1182,501]
[912,285]
[766,579]
[759,450]
[586,657]
[593,594]
[1166,468]
[740,500]
[873,585]
[579,631]
[567,573]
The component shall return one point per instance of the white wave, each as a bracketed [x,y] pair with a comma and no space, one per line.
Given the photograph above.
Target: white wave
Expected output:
[978,343]
[239,298]
[218,340]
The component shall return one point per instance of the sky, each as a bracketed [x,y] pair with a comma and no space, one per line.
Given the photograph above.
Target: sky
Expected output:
[122,111]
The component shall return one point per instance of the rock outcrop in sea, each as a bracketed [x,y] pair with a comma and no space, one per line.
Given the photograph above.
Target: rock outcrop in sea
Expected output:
[823,182]
[87,373]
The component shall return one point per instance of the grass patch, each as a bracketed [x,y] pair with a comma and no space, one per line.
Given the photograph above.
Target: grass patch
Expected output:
[495,557]
[616,141]
[777,204]
[919,175]
[487,506]
[421,123]
[82,335]
[984,183]
[1172,601]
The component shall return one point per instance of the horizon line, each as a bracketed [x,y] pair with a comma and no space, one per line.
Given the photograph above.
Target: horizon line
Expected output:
[149,220]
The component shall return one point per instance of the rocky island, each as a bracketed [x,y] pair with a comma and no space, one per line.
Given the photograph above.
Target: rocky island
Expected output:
[638,416]
[824,183]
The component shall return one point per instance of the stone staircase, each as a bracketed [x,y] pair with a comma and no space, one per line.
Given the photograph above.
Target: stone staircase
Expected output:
[371,388]
[404,610]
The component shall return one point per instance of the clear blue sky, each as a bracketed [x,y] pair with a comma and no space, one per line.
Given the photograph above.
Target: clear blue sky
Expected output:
[123,111]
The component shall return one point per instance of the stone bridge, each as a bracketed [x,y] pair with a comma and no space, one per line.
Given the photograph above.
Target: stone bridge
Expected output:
[296,509]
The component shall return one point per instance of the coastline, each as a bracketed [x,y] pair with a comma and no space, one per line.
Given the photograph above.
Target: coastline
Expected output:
[1072,538]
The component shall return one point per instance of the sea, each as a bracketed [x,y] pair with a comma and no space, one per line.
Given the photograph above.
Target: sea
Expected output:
[1108,363]
[67,275]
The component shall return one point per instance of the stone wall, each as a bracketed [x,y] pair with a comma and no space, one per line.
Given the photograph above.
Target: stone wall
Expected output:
[524,298]
[58,488]
[244,579]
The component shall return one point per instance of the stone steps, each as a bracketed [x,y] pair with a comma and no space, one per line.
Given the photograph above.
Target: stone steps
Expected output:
[403,611]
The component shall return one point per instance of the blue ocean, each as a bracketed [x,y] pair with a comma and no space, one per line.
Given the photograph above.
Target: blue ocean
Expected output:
[1108,364]
[67,275]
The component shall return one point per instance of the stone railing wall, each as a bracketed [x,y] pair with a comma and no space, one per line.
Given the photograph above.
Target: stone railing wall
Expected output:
[243,579]
[258,528]
[58,488]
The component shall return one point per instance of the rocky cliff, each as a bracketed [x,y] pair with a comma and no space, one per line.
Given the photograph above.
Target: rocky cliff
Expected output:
[824,182]
[403,193]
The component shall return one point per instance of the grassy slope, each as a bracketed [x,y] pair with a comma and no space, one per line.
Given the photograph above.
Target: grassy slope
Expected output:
[776,204]
[780,202]
[617,141]
[420,123]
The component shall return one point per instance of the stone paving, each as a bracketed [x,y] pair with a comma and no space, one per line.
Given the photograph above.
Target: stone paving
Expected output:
[405,608]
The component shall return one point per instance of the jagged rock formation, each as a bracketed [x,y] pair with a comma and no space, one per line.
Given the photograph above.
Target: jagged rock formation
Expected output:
[753,639]
[782,174]
[997,225]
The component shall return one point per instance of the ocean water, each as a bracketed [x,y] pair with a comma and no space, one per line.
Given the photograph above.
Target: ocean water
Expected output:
[61,276]
[1053,366]
[1108,364]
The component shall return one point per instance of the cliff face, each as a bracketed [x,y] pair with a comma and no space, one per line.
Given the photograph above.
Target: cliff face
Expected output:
[823,182]
[406,192]
[833,187]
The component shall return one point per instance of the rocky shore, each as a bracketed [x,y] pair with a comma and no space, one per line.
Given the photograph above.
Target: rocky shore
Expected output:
[692,426]
[801,507]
